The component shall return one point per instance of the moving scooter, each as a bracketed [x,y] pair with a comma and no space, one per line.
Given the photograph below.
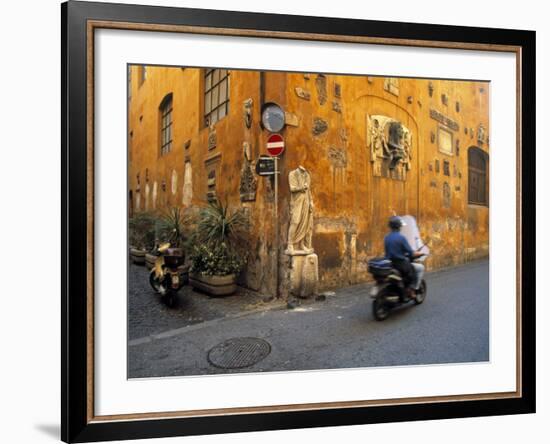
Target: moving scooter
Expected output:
[390,291]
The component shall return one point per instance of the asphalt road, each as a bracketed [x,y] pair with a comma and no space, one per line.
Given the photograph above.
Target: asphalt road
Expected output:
[451,326]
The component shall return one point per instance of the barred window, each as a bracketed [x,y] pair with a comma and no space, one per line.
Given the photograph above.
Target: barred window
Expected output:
[477,176]
[166,124]
[216,95]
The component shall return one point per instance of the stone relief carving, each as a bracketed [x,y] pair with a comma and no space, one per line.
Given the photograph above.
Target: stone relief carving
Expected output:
[247,112]
[300,229]
[337,157]
[187,191]
[321,85]
[446,168]
[155,191]
[407,147]
[302,93]
[174,184]
[211,185]
[337,90]
[212,138]
[248,185]
[446,195]
[343,134]
[319,126]
[431,89]
[390,144]
[337,107]
[481,134]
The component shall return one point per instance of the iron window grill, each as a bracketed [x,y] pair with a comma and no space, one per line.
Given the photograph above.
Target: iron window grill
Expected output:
[216,95]
[166,125]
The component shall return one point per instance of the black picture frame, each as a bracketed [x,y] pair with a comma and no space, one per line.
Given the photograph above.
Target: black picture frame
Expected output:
[77,425]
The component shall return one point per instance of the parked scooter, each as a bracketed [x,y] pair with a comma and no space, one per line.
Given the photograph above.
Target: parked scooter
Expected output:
[165,276]
[390,291]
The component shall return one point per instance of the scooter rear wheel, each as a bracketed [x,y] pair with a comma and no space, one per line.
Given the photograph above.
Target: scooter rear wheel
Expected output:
[380,310]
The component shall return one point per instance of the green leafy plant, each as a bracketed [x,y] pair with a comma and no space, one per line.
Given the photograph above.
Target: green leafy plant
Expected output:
[217,261]
[219,241]
[141,231]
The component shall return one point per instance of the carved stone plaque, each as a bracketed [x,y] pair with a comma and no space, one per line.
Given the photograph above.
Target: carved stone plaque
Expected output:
[441,118]
[302,93]
[391,84]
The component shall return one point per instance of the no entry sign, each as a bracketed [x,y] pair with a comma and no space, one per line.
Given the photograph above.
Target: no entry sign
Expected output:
[275,145]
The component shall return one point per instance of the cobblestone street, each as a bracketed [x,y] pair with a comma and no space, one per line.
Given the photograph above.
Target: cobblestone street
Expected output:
[148,315]
[451,326]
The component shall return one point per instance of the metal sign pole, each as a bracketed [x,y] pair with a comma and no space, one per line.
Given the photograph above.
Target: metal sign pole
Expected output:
[276,225]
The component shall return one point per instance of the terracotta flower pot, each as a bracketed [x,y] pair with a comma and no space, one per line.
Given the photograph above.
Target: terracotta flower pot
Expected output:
[137,256]
[150,260]
[214,285]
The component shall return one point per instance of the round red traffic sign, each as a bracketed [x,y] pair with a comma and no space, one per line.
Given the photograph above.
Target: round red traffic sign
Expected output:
[275,145]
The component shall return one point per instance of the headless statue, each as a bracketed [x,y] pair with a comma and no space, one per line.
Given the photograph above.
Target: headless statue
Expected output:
[300,229]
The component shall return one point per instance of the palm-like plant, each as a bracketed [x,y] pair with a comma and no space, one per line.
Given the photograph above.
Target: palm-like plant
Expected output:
[217,225]
[171,227]
[219,241]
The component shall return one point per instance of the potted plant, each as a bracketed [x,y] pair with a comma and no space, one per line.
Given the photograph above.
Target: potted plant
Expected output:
[218,250]
[141,236]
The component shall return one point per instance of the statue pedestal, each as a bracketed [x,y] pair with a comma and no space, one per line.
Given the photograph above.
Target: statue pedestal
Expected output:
[304,273]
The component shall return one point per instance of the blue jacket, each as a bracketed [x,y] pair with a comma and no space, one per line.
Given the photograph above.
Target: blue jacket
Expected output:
[397,247]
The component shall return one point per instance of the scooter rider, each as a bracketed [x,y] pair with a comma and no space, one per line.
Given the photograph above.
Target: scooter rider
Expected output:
[400,253]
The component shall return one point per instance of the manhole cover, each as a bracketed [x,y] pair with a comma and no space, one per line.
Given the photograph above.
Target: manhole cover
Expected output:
[239,352]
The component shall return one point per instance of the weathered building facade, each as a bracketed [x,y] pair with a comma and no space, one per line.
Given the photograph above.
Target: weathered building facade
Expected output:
[373,146]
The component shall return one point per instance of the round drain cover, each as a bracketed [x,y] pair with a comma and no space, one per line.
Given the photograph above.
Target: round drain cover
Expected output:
[239,352]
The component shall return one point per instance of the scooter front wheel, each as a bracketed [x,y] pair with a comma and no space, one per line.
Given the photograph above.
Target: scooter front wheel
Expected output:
[156,283]
[421,293]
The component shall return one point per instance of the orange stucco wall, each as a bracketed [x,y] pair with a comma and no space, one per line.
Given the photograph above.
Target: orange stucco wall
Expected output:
[352,203]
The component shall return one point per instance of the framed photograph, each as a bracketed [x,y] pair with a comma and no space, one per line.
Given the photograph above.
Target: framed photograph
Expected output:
[275,221]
